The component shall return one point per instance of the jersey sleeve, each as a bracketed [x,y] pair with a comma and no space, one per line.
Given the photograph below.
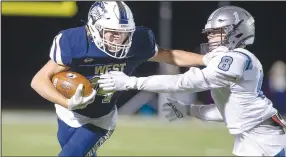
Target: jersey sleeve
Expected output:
[60,51]
[194,80]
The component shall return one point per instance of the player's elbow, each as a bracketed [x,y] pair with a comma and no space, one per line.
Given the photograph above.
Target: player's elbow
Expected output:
[36,82]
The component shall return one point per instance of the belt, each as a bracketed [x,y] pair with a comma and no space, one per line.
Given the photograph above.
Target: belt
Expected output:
[269,121]
[279,120]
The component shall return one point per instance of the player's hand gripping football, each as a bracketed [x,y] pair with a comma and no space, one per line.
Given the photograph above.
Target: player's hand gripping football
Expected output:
[116,81]
[174,110]
[78,101]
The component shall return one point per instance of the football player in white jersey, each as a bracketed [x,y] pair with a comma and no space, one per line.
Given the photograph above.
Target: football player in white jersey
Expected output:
[234,78]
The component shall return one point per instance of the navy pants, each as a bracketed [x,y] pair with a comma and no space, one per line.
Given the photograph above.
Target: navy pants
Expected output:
[82,141]
[281,154]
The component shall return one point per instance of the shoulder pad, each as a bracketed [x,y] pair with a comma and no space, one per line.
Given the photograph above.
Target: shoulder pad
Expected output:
[247,55]
[144,43]
[229,64]
[60,51]
[65,42]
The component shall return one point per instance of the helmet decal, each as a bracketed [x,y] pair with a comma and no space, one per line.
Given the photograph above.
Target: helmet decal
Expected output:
[123,15]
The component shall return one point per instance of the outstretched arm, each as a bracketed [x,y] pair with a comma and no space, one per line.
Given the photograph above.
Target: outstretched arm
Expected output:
[194,80]
[178,57]
[175,57]
[222,71]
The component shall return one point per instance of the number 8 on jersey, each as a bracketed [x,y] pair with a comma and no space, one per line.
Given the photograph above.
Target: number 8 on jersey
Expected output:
[225,63]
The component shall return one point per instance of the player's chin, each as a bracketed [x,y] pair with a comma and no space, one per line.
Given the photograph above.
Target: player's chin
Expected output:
[113,50]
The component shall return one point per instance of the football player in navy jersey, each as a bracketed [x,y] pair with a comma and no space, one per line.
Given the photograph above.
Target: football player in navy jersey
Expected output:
[109,41]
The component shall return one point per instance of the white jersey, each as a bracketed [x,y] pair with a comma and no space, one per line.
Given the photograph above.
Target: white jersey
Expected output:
[241,102]
[235,80]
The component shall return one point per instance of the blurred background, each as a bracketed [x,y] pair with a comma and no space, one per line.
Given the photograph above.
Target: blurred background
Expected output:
[29,122]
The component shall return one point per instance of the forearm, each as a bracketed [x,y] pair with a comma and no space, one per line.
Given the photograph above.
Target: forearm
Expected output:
[178,57]
[44,87]
[186,59]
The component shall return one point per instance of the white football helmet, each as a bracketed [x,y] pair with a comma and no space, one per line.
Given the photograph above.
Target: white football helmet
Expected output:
[235,23]
[115,19]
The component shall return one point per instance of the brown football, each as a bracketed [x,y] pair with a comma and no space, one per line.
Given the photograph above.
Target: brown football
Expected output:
[66,83]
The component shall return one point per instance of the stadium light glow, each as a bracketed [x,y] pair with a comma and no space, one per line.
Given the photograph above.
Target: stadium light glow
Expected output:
[49,9]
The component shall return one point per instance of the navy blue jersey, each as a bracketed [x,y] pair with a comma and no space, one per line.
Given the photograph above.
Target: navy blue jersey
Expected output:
[73,48]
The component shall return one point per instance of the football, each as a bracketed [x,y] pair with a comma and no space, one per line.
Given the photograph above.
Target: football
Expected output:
[66,83]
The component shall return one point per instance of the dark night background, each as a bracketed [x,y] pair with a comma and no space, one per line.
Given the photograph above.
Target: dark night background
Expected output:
[26,40]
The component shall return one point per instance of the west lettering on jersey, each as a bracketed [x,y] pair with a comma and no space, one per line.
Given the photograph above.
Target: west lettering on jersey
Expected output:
[102,69]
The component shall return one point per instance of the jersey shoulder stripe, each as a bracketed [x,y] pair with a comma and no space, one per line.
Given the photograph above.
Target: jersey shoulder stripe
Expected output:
[248,63]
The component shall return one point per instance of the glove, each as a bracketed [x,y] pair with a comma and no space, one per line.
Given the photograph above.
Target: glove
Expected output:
[174,109]
[215,52]
[77,101]
[116,81]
